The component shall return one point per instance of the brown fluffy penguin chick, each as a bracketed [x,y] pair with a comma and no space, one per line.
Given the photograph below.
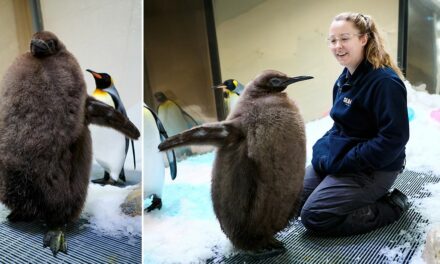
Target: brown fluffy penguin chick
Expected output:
[259,167]
[45,144]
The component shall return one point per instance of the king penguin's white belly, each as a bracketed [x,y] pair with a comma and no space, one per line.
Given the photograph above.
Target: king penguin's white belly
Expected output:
[172,118]
[108,144]
[233,101]
[174,122]
[153,162]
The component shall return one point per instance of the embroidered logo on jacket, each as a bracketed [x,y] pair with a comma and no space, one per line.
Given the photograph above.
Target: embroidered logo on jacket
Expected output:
[347,101]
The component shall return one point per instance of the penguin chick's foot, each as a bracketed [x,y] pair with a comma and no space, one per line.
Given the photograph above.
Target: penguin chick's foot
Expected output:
[55,240]
[274,248]
[155,204]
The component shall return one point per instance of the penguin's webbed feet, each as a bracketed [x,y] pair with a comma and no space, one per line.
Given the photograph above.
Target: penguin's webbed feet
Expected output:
[276,244]
[272,249]
[110,181]
[55,240]
[155,204]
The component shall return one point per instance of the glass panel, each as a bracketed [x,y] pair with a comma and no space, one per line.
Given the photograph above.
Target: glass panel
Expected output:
[423,32]
[290,36]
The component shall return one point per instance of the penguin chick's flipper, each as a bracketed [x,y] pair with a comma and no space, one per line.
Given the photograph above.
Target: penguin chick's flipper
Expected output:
[55,240]
[217,134]
[102,114]
[155,204]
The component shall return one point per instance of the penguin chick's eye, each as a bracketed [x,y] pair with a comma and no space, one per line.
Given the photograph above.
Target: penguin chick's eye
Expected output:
[51,44]
[275,82]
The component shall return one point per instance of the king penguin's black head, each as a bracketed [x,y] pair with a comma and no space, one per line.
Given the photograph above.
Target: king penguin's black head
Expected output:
[102,80]
[160,97]
[231,84]
[275,81]
[44,44]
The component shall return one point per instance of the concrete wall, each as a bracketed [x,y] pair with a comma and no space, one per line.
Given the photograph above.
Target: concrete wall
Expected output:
[177,55]
[289,35]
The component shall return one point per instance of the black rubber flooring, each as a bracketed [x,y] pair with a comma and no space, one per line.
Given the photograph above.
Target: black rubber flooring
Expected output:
[303,247]
[23,242]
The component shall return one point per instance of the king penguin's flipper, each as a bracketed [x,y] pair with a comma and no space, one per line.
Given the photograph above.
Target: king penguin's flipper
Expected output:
[102,114]
[218,134]
[120,107]
[171,156]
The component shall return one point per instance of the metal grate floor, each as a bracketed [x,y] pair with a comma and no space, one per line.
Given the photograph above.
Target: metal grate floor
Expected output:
[303,247]
[23,242]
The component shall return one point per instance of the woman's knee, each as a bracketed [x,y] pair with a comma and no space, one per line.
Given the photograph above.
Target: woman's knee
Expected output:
[318,221]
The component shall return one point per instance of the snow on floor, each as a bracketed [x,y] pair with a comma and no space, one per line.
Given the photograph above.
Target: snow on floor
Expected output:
[103,212]
[186,230]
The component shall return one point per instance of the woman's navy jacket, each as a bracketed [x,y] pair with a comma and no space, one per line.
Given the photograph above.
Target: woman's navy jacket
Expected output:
[371,126]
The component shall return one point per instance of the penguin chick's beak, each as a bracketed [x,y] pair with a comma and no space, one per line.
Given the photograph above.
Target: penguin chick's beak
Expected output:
[295,79]
[39,48]
[95,74]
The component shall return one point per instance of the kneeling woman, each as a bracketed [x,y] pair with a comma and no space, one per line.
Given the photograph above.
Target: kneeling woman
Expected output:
[354,165]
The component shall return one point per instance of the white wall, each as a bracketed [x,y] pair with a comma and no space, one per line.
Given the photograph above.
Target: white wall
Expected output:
[9,48]
[105,36]
[289,36]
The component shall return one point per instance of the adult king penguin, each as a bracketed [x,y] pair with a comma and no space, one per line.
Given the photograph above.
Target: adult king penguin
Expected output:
[231,93]
[234,86]
[174,119]
[259,167]
[110,158]
[44,137]
[153,162]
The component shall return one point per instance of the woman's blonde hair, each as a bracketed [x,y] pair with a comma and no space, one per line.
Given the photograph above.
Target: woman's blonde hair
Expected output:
[374,50]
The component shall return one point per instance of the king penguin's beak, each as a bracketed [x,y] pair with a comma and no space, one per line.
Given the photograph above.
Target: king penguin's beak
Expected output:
[219,86]
[95,74]
[296,79]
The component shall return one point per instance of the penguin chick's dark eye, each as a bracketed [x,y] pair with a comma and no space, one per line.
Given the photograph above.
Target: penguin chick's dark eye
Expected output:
[51,44]
[275,82]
